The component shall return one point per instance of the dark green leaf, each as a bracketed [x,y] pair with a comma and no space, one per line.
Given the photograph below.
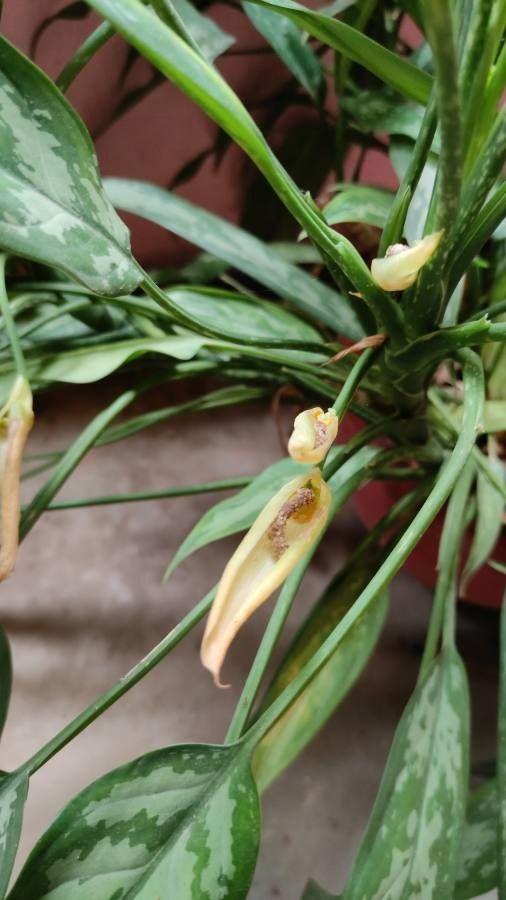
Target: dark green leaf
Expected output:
[211,40]
[183,822]
[390,68]
[237,513]
[314,706]
[288,42]
[13,791]
[238,248]
[359,203]
[380,111]
[477,866]
[412,840]
[5,677]
[53,208]
[315,892]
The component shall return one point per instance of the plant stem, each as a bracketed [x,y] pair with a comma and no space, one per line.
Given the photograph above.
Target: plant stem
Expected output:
[71,458]
[449,545]
[352,383]
[340,494]
[10,327]
[393,230]
[121,687]
[208,487]
[94,42]
[449,473]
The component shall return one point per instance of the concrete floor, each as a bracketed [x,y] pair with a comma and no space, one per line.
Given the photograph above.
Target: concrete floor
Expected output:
[86,602]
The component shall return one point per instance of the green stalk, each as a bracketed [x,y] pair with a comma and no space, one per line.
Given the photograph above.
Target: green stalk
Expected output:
[449,546]
[450,472]
[427,303]
[107,500]
[91,45]
[95,709]
[72,458]
[65,309]
[280,614]
[10,327]
[394,226]
[352,383]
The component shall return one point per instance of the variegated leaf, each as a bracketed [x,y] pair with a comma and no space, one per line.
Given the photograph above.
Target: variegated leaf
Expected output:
[52,206]
[13,791]
[477,867]
[411,845]
[181,822]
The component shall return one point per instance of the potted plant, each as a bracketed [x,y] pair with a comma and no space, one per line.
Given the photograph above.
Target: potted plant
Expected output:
[394,339]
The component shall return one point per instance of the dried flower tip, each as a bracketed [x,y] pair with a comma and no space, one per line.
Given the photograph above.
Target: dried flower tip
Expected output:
[314,432]
[16,420]
[288,526]
[400,266]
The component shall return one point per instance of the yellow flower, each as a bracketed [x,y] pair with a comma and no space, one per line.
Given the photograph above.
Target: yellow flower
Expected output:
[401,264]
[16,420]
[288,526]
[314,432]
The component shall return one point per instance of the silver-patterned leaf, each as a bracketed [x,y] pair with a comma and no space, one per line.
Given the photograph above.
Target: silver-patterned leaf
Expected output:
[489,519]
[181,822]
[13,791]
[477,868]
[411,845]
[52,206]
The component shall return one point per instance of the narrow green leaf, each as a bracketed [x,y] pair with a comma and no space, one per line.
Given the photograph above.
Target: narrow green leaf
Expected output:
[288,43]
[477,866]
[391,69]
[384,112]
[238,248]
[311,710]
[13,791]
[258,319]
[359,203]
[412,840]
[93,363]
[236,513]
[211,40]
[5,677]
[315,892]
[489,519]
[183,821]
[53,208]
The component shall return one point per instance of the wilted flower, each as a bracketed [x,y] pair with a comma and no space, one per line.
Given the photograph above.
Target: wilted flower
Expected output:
[16,420]
[314,432]
[401,263]
[288,526]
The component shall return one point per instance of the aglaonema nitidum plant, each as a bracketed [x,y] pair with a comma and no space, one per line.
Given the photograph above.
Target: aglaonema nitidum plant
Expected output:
[402,327]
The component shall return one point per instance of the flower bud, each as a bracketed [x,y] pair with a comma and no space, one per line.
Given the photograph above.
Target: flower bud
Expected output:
[400,266]
[16,420]
[286,529]
[314,432]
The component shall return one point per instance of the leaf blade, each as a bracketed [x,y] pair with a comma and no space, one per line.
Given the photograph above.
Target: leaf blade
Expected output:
[144,823]
[53,207]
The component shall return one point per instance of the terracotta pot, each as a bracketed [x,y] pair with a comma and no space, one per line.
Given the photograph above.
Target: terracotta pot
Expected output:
[486,588]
